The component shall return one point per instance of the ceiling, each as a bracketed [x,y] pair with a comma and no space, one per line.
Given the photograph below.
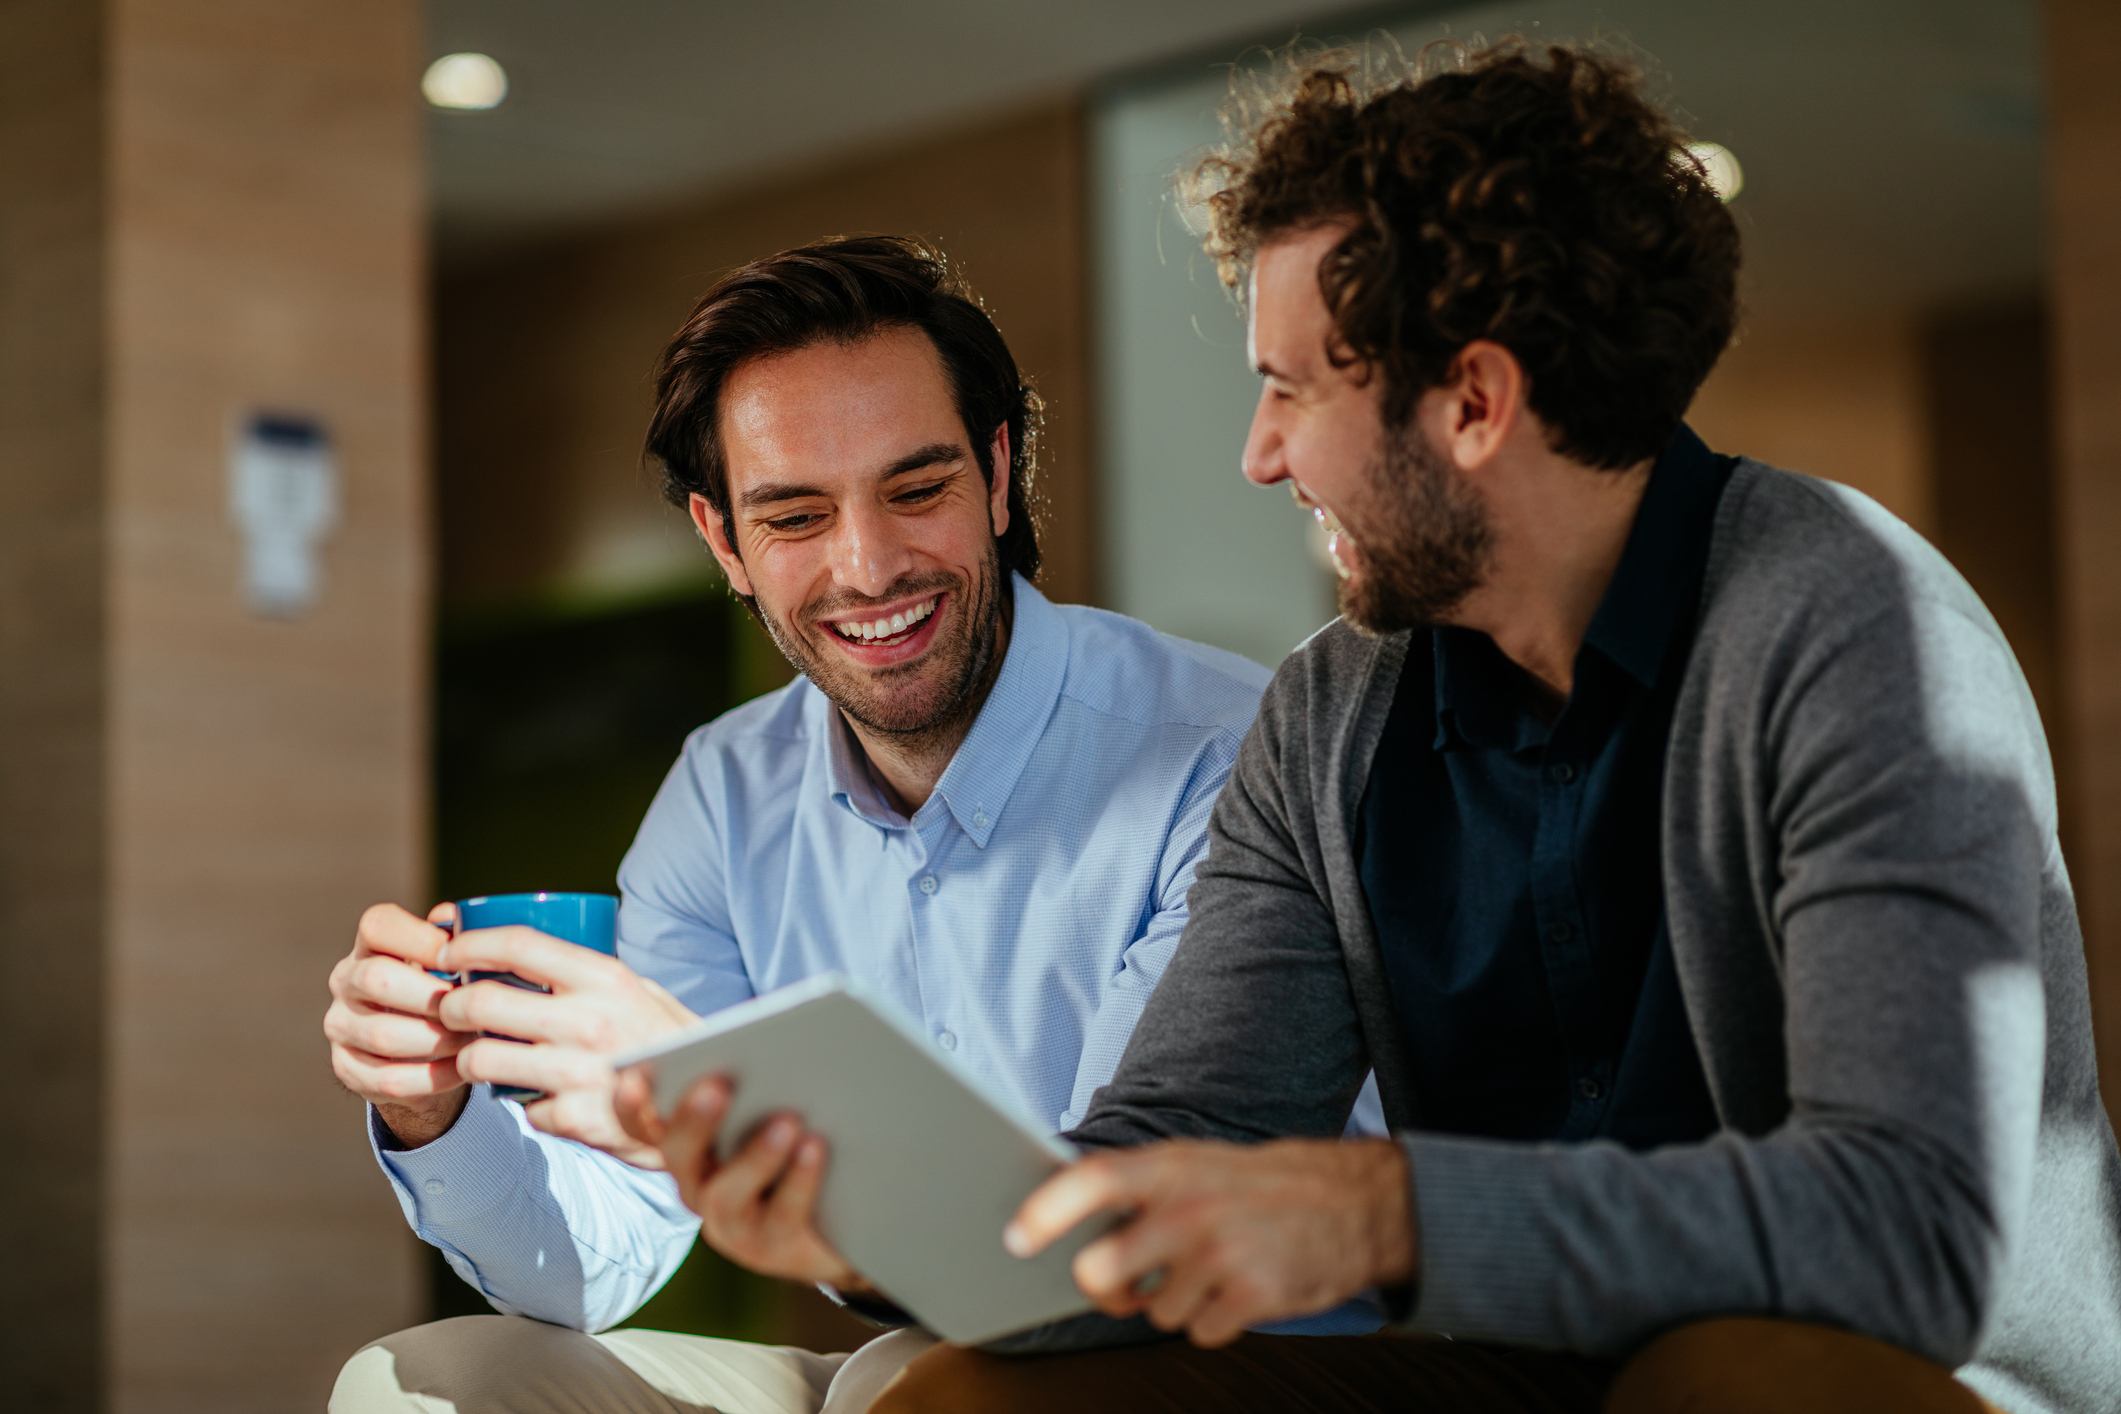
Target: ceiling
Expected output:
[1891,148]
[618,105]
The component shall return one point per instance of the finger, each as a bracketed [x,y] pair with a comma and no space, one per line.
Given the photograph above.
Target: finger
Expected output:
[633,1101]
[688,1143]
[443,915]
[387,982]
[1176,1293]
[791,1207]
[1099,1183]
[586,1115]
[508,1010]
[1229,1313]
[379,1079]
[389,1034]
[387,928]
[553,1069]
[736,1194]
[531,955]
[1120,1270]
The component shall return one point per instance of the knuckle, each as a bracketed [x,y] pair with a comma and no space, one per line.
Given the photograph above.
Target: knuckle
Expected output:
[366,976]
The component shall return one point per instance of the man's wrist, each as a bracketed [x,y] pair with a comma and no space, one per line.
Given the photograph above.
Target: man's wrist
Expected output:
[416,1126]
[1392,1213]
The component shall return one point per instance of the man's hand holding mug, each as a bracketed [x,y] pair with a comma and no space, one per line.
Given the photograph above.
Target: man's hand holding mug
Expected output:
[534,1002]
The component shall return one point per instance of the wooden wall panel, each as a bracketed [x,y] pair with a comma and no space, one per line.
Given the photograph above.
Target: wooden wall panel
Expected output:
[545,359]
[52,563]
[266,778]
[1839,400]
[2084,222]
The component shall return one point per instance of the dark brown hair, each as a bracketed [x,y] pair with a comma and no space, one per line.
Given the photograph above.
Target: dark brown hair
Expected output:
[1534,198]
[843,291]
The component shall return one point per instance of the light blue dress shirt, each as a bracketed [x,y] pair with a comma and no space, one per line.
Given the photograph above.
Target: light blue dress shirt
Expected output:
[1022,915]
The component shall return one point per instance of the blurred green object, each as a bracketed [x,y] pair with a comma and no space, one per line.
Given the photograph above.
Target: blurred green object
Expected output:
[555,722]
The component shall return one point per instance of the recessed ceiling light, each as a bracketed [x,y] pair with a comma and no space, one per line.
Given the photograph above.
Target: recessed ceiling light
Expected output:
[1721,164]
[464,81]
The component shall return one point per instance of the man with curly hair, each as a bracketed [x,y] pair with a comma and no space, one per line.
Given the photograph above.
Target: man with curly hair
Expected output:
[1675,836]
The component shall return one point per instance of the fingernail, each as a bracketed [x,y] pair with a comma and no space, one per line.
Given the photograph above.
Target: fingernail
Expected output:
[1016,1240]
[442,959]
[782,1132]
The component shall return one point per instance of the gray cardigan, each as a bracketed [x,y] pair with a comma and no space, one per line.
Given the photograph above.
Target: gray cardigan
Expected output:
[1878,949]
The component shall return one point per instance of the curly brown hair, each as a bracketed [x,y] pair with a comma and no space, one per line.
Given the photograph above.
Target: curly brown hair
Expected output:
[1535,198]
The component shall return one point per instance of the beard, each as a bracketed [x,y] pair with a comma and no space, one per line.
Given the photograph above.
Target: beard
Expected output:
[930,697]
[1426,539]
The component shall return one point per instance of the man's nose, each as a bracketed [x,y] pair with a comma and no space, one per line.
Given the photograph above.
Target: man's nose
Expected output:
[868,556]
[1264,462]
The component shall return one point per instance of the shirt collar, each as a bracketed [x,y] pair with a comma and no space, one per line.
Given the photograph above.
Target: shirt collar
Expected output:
[982,775]
[1642,615]
[1480,698]
[1650,601]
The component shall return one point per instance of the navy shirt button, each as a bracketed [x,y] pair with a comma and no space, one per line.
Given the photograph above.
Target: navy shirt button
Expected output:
[1589,1088]
[1561,932]
[1564,773]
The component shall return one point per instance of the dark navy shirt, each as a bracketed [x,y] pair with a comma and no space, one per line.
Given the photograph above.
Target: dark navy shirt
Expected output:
[1510,857]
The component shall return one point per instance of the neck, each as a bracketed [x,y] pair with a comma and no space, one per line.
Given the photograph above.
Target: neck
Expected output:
[908,764]
[1560,531]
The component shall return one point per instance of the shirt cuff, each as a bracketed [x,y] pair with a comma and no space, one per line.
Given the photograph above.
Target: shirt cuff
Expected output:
[460,1173]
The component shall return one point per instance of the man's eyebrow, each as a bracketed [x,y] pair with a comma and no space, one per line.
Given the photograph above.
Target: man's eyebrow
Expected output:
[934,454]
[773,491]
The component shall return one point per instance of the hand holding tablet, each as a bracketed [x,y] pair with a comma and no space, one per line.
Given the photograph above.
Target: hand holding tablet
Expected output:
[917,1166]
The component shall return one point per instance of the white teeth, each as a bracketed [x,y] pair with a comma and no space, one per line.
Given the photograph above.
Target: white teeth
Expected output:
[886,628]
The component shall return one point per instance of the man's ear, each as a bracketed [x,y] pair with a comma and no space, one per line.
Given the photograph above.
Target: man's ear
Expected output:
[1481,403]
[998,490]
[708,521]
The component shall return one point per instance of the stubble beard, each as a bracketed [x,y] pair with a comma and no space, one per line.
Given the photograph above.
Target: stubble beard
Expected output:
[929,700]
[1426,540]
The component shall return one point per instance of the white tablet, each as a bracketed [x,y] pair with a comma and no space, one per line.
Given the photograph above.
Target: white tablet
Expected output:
[926,1163]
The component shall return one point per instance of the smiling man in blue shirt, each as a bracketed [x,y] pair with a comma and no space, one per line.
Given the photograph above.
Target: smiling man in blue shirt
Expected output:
[983,805]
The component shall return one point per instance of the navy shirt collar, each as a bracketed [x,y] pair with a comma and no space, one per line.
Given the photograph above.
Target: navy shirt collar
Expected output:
[1646,613]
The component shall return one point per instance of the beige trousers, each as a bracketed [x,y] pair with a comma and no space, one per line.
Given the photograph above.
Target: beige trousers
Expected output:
[510,1365]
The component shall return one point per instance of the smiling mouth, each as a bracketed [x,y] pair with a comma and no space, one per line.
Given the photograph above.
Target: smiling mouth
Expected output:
[890,629]
[1336,538]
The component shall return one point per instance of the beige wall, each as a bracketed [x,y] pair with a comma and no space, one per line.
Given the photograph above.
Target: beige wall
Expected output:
[545,360]
[2084,219]
[206,799]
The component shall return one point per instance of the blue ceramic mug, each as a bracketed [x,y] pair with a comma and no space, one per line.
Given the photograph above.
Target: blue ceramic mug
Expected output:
[591,920]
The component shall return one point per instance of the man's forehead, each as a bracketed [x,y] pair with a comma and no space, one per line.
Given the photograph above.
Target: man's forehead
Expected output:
[1288,319]
[835,409]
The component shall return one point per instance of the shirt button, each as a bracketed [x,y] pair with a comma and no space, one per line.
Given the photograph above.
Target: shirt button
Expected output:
[979,819]
[1564,773]
[1589,1088]
[927,883]
[434,1185]
[1561,932]
[946,1039]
